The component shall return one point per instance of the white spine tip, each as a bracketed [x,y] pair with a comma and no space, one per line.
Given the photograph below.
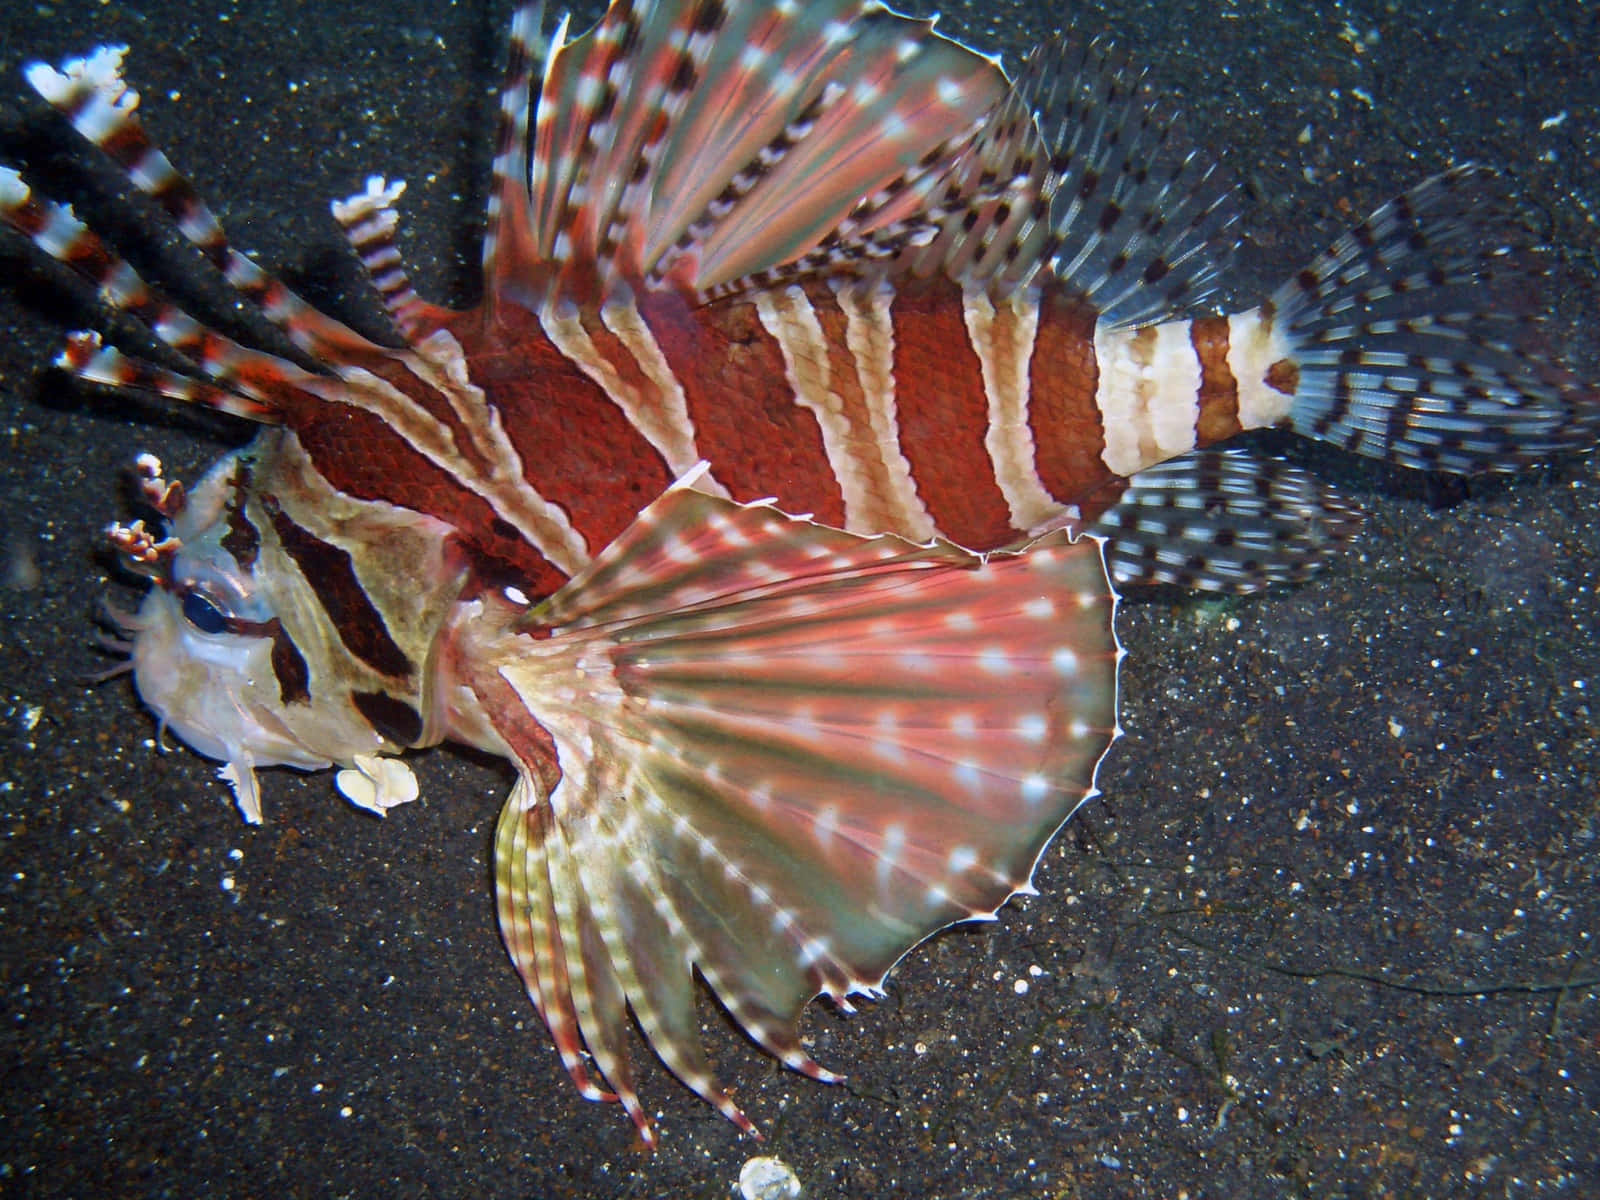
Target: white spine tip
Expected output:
[46,80]
[13,192]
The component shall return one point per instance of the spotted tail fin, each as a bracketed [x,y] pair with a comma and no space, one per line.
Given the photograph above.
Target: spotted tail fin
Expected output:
[786,755]
[1403,341]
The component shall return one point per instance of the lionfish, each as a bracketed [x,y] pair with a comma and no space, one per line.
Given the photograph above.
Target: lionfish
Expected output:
[765,513]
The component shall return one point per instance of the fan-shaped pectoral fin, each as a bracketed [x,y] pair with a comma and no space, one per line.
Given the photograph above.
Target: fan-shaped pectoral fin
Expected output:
[786,755]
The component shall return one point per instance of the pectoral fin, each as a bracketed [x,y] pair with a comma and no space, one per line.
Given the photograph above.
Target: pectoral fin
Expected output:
[787,755]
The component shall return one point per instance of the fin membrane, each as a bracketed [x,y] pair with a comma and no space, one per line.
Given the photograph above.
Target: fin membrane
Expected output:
[1223,521]
[1408,348]
[787,755]
[1141,228]
[699,142]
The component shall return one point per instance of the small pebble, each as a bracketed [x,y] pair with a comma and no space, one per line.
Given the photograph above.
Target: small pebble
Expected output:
[767,1178]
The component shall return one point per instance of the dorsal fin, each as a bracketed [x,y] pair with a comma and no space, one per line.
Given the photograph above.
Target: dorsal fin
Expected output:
[91,93]
[246,382]
[698,142]
[717,147]
[1140,228]
[368,219]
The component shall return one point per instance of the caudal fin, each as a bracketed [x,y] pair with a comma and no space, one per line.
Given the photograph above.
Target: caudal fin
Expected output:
[1407,341]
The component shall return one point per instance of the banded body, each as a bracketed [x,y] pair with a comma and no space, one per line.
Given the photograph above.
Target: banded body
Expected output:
[738,252]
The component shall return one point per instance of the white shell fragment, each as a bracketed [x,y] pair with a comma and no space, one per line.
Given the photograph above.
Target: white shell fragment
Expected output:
[768,1178]
[377,784]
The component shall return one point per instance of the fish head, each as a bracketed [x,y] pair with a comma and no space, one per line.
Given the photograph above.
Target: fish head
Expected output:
[287,627]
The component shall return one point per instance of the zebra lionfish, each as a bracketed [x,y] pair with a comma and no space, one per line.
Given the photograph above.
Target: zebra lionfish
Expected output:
[746,261]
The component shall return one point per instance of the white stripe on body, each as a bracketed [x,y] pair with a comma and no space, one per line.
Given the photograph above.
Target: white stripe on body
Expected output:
[1253,346]
[1148,394]
[1004,340]
[864,455]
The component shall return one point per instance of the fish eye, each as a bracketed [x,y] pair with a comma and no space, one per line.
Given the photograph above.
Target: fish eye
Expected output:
[214,592]
[204,613]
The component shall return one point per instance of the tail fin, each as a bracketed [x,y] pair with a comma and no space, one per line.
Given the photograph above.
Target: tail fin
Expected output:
[1406,344]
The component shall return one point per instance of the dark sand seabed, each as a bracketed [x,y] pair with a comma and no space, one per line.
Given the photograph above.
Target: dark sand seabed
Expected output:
[1331,931]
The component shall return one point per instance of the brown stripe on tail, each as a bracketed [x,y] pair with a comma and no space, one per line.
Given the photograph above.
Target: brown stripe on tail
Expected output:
[1219,390]
[1149,394]
[1164,390]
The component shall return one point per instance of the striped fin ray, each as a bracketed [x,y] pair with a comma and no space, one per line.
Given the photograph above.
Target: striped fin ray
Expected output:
[1141,230]
[553,159]
[87,357]
[797,123]
[791,754]
[247,382]
[901,95]
[1000,238]
[369,220]
[531,933]
[763,85]
[705,141]
[724,147]
[1223,521]
[642,99]
[864,246]
[1402,342]
[507,236]
[595,66]
[91,93]
[434,422]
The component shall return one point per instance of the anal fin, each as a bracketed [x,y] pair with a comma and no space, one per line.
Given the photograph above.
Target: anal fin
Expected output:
[1223,521]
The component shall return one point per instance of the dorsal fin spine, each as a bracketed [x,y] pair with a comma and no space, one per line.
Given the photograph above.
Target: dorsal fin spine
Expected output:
[91,93]
[507,215]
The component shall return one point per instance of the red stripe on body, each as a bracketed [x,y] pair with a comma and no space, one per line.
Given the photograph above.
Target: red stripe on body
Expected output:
[577,447]
[944,416]
[759,442]
[1068,435]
